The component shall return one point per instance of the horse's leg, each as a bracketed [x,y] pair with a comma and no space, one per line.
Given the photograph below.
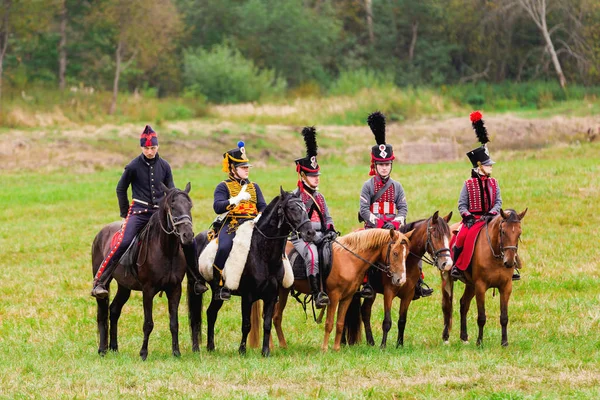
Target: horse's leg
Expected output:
[115,313]
[504,298]
[246,324]
[388,297]
[447,307]
[174,297]
[148,298]
[195,316]
[334,298]
[211,318]
[402,315]
[339,326]
[365,311]
[269,306]
[278,315]
[465,303]
[102,321]
[480,297]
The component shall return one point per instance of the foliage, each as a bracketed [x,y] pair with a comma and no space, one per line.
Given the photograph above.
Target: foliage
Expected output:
[223,75]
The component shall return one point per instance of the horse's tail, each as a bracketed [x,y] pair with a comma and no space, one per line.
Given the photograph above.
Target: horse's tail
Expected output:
[194,313]
[353,321]
[255,318]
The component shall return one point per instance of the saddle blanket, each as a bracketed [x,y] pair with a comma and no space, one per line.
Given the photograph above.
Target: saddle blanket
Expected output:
[464,259]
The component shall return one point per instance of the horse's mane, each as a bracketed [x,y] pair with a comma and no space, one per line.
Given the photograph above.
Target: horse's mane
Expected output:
[271,207]
[410,226]
[366,240]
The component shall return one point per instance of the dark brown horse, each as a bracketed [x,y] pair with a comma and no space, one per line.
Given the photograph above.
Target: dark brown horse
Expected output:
[431,236]
[492,266]
[161,267]
[352,255]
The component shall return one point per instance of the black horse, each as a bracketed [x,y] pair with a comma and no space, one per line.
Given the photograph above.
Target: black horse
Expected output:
[263,271]
[161,266]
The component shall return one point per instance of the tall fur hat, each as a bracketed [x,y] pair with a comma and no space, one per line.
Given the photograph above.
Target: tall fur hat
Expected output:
[480,155]
[381,152]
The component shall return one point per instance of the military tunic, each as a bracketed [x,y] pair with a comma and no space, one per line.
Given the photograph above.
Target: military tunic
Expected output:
[236,214]
[321,222]
[390,207]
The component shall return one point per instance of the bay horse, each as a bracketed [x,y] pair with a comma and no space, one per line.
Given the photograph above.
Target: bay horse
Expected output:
[263,272]
[161,266]
[352,255]
[431,235]
[492,266]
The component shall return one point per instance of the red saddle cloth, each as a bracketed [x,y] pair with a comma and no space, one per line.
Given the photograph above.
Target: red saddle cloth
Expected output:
[115,238]
[468,247]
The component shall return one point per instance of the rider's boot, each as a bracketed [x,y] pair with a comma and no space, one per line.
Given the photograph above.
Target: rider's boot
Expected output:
[220,292]
[192,266]
[367,291]
[516,275]
[421,291]
[99,289]
[321,298]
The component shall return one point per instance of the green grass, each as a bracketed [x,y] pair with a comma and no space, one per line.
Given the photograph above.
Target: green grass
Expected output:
[48,336]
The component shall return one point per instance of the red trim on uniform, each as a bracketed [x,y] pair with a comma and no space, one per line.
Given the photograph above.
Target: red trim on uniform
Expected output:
[312,259]
[116,246]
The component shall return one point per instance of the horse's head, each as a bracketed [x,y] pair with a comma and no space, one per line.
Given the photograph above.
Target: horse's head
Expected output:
[396,254]
[293,212]
[509,233]
[177,208]
[438,241]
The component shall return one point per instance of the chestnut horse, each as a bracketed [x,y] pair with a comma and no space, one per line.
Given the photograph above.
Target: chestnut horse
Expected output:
[352,255]
[431,236]
[492,266]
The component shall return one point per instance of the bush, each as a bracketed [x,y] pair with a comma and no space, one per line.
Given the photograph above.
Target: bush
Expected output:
[223,75]
[352,82]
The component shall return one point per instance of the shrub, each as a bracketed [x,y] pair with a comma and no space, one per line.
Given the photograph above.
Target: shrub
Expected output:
[223,75]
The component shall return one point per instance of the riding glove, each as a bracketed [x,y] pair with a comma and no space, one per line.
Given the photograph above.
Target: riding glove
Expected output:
[243,195]
[469,221]
[388,225]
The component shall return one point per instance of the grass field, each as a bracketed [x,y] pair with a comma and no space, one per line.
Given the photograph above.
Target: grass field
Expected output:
[48,337]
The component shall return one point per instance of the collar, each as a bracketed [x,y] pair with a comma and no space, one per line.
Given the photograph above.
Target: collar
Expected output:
[149,161]
[242,182]
[308,189]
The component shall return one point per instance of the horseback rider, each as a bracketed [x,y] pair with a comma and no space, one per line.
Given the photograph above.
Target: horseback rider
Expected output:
[308,189]
[382,200]
[480,198]
[236,200]
[144,174]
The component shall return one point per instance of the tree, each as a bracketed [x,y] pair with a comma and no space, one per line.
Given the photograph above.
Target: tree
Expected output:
[62,46]
[140,31]
[537,11]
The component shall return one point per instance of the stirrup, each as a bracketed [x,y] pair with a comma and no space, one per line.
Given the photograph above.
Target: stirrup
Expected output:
[199,288]
[367,292]
[222,294]
[321,300]
[457,274]
[516,275]
[99,291]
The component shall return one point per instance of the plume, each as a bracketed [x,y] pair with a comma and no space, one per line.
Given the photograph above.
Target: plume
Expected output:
[376,122]
[480,130]
[310,139]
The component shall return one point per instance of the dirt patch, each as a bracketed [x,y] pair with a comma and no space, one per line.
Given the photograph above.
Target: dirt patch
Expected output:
[88,148]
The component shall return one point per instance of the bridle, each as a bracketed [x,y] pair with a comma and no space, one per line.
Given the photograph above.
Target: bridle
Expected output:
[174,221]
[429,248]
[283,218]
[500,235]
[386,268]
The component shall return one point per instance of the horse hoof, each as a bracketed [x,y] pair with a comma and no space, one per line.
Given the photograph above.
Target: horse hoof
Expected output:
[505,344]
[102,352]
[144,356]
[177,353]
[242,351]
[446,342]
[266,353]
[465,341]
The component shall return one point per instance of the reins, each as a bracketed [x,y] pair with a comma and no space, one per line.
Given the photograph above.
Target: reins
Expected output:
[385,269]
[287,221]
[502,247]
[434,253]
[174,221]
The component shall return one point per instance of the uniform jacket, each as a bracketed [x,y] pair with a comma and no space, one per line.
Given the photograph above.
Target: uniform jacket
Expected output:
[316,211]
[479,196]
[245,209]
[144,176]
[390,207]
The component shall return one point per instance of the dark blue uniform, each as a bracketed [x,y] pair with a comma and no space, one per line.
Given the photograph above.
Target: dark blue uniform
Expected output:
[144,175]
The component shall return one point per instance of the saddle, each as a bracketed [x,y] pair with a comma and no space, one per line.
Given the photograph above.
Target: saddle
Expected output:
[325,261]
[133,256]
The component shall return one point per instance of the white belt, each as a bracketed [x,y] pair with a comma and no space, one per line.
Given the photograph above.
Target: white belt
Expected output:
[144,203]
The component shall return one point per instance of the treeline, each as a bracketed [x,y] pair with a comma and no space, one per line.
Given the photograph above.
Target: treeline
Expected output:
[228,51]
